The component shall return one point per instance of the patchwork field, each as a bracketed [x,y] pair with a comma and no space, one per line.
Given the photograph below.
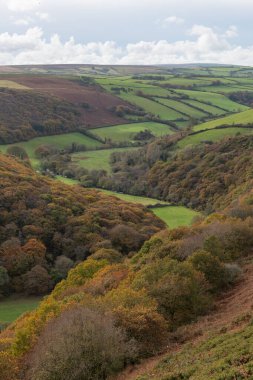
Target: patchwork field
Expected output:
[213,135]
[242,118]
[96,160]
[214,99]
[58,141]
[126,132]
[173,216]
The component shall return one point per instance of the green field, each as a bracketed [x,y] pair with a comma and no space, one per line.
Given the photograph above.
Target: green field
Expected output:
[183,108]
[96,160]
[218,100]
[212,110]
[134,199]
[213,135]
[12,308]
[150,106]
[126,132]
[58,141]
[242,118]
[13,85]
[175,216]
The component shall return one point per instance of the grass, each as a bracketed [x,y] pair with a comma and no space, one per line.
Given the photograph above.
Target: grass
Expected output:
[59,141]
[214,99]
[13,307]
[96,160]
[183,108]
[226,89]
[134,198]
[152,107]
[242,118]
[213,135]
[12,85]
[175,216]
[207,108]
[220,357]
[67,181]
[126,132]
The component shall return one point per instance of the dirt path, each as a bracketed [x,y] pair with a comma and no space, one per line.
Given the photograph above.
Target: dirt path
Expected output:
[230,311]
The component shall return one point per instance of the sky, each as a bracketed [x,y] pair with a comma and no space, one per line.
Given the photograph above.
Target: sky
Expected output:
[126,32]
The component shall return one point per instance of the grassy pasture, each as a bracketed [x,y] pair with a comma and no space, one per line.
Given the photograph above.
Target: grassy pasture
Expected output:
[152,107]
[175,216]
[59,141]
[214,99]
[126,132]
[96,160]
[243,118]
[213,135]
[134,198]
[12,85]
[226,89]
[206,107]
[181,107]
[12,308]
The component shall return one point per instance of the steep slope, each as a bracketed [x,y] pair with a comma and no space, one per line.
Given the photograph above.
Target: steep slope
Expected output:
[42,219]
[223,332]
[148,299]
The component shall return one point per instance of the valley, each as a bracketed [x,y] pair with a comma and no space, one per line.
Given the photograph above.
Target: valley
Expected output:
[126,209]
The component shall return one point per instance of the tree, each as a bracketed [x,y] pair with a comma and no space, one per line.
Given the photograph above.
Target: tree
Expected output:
[19,152]
[37,281]
[62,266]
[211,266]
[4,281]
[111,255]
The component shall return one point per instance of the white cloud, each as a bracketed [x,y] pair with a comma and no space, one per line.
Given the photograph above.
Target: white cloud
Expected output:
[43,16]
[204,45]
[22,5]
[23,21]
[173,20]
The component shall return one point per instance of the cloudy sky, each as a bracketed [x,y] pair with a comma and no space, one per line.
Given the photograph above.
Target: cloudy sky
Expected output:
[126,31]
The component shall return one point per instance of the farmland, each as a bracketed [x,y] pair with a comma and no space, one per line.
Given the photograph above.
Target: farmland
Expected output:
[173,216]
[126,132]
[96,160]
[57,141]
[145,201]
[160,101]
[213,135]
[242,118]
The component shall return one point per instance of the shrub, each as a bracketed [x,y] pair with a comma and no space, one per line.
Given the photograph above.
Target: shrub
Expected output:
[81,344]
[232,273]
[212,268]
[111,255]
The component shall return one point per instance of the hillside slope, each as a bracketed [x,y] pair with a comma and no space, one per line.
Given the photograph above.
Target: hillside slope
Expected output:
[228,321]
[42,219]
